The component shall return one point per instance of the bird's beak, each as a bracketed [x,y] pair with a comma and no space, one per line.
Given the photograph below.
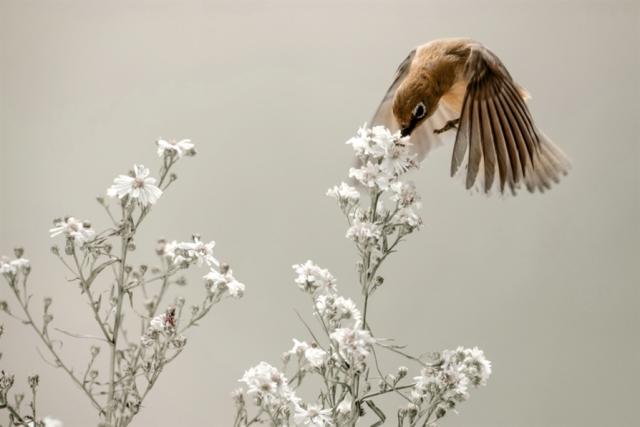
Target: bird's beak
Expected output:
[407,130]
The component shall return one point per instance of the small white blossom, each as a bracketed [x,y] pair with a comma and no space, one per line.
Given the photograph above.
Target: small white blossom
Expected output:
[47,422]
[196,251]
[345,194]
[363,232]
[79,231]
[407,217]
[354,344]
[313,416]
[269,385]
[51,422]
[7,268]
[139,186]
[164,323]
[361,143]
[173,147]
[404,193]
[309,355]
[372,175]
[218,283]
[313,279]
[459,370]
[336,308]
[345,406]
[10,268]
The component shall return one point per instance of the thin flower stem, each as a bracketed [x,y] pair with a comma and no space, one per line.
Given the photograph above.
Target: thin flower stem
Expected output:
[368,396]
[92,302]
[117,321]
[53,352]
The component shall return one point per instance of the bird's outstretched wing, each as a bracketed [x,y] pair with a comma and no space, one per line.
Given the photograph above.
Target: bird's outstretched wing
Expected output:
[498,132]
[423,138]
[384,114]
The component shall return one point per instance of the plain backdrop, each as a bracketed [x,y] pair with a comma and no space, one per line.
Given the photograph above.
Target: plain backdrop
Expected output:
[269,91]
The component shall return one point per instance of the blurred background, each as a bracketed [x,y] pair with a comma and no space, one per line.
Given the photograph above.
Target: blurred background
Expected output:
[269,91]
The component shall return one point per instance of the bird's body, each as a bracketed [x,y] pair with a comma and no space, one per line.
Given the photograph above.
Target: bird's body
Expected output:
[458,82]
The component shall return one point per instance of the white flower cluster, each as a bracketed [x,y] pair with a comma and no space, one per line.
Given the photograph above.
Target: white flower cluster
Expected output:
[173,147]
[448,381]
[313,279]
[354,345]
[222,282]
[10,268]
[163,325]
[346,360]
[270,388]
[309,356]
[78,231]
[384,156]
[188,253]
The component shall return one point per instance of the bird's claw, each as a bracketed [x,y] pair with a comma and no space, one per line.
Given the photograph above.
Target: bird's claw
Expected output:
[451,124]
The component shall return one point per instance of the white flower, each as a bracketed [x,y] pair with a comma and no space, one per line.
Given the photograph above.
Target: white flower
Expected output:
[407,217]
[397,158]
[354,344]
[361,142]
[191,252]
[344,407]
[10,268]
[51,422]
[270,385]
[372,175]
[7,267]
[218,283]
[363,231]
[299,347]
[310,355]
[383,139]
[139,186]
[345,194]
[313,416]
[47,422]
[315,356]
[173,147]
[477,367]
[79,231]
[164,323]
[313,279]
[459,370]
[336,308]
[404,193]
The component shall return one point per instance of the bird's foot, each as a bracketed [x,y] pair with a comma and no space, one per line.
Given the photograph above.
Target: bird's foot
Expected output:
[451,124]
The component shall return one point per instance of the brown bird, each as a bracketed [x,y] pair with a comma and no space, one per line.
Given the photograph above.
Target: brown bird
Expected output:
[459,83]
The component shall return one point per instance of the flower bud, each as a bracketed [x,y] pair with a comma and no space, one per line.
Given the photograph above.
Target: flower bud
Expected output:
[95,350]
[33,381]
[18,252]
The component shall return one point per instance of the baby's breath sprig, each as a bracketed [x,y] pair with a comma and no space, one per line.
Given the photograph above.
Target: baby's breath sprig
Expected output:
[381,211]
[122,369]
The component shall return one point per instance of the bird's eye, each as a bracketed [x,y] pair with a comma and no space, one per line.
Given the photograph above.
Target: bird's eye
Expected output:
[419,111]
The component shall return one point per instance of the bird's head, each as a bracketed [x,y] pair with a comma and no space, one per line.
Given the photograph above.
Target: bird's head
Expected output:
[411,107]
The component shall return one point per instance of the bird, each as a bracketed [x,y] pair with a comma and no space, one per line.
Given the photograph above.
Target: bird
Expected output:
[458,83]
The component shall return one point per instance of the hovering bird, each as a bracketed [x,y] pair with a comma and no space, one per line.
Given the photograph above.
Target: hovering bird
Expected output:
[460,84]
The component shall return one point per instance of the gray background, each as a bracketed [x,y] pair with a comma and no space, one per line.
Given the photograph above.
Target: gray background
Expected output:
[269,90]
